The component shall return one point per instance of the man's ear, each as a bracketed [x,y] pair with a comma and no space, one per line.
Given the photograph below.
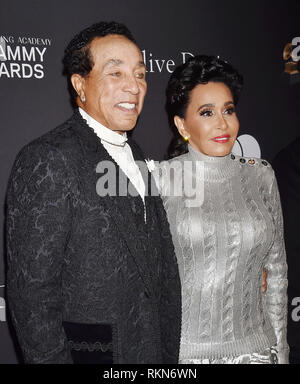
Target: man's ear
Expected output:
[78,84]
[179,122]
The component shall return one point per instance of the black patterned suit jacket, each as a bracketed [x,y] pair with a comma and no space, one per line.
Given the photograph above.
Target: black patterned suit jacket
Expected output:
[88,280]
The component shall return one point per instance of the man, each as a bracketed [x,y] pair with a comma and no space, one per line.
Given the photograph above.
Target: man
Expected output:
[92,279]
[287,168]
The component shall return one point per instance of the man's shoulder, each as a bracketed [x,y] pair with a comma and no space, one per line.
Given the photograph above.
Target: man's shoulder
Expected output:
[59,139]
[55,149]
[61,135]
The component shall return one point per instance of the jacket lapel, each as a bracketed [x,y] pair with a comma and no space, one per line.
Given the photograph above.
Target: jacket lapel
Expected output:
[118,206]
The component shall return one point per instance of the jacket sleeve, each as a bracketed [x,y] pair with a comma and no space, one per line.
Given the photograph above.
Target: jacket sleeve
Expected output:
[276,266]
[170,303]
[37,225]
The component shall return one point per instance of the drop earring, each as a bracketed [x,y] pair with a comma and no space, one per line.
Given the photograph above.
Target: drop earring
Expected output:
[185,135]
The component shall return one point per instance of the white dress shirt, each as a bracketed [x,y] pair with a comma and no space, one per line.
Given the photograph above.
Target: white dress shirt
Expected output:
[118,148]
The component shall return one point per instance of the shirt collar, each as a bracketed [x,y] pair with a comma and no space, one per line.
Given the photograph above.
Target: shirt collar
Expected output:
[105,134]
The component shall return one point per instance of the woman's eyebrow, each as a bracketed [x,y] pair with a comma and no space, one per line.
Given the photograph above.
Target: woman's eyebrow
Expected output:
[205,105]
[213,105]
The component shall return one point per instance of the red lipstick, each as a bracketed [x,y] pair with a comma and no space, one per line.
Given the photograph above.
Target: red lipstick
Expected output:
[221,139]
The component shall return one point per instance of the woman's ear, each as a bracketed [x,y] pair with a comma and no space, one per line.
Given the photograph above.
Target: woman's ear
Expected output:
[179,122]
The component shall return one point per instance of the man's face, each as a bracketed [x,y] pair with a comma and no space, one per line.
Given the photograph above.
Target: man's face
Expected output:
[115,88]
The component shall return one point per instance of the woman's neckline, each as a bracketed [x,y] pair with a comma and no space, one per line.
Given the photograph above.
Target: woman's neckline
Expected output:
[216,168]
[196,155]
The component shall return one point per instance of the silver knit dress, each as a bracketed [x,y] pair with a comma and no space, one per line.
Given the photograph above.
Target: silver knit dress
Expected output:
[222,245]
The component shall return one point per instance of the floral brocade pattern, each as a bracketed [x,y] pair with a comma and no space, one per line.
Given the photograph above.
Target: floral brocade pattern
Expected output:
[77,257]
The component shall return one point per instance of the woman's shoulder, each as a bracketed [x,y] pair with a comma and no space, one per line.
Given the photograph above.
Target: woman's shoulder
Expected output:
[252,162]
[255,167]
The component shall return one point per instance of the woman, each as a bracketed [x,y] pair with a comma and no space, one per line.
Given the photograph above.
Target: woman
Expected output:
[225,239]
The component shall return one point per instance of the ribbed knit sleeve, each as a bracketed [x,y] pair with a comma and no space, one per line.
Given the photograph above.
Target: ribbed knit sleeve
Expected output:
[276,266]
[38,221]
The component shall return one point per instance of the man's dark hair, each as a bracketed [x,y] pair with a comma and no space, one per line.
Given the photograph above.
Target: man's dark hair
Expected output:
[78,58]
[200,69]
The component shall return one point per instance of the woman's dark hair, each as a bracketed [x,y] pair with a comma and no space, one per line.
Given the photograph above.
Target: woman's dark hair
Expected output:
[200,69]
[78,58]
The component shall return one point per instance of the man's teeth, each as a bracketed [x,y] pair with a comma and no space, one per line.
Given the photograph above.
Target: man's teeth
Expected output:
[127,105]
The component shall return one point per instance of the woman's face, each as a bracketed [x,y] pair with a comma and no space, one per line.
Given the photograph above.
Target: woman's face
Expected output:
[210,122]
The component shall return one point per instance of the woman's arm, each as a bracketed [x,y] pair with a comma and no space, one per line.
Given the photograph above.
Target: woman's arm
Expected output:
[276,268]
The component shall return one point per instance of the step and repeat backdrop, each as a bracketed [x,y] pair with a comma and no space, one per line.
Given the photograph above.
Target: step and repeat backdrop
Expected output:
[259,38]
